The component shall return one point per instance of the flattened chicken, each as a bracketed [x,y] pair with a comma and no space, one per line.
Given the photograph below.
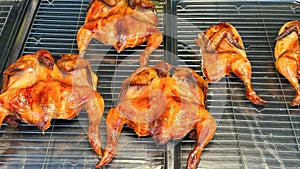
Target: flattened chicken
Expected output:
[287,55]
[36,90]
[222,53]
[127,24]
[154,102]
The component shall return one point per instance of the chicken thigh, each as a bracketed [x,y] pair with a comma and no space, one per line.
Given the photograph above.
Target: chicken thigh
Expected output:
[287,55]
[127,24]
[222,53]
[154,102]
[36,90]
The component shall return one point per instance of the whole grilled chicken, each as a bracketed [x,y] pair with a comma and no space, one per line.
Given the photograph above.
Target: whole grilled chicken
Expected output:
[154,102]
[222,53]
[287,55]
[36,90]
[127,24]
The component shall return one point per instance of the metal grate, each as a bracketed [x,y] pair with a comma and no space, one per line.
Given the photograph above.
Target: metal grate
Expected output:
[248,136]
[65,143]
[4,13]
[10,17]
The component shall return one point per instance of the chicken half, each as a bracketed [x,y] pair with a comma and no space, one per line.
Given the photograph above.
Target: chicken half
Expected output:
[36,90]
[223,53]
[128,23]
[166,106]
[287,55]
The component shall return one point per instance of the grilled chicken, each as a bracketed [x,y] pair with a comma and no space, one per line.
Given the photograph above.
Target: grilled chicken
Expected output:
[222,53]
[127,24]
[154,102]
[287,55]
[36,90]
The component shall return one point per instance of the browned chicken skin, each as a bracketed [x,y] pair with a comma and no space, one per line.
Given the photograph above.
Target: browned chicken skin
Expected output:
[36,90]
[222,53]
[132,3]
[111,3]
[153,102]
[287,55]
[127,24]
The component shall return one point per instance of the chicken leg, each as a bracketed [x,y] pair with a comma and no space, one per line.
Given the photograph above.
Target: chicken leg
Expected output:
[114,125]
[205,131]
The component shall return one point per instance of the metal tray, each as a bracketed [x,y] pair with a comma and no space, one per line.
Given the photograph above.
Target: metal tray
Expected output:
[248,136]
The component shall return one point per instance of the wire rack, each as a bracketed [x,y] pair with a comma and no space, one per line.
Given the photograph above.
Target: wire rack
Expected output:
[65,143]
[10,17]
[247,136]
[4,12]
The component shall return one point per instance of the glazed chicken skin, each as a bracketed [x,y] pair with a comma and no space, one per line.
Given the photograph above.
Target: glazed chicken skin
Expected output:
[111,3]
[36,90]
[223,53]
[287,55]
[154,102]
[128,24]
[132,3]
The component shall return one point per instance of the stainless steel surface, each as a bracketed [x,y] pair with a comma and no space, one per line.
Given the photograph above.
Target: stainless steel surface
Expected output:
[248,136]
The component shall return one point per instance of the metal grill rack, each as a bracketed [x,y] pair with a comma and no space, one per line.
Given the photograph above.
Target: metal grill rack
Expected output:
[5,11]
[11,13]
[65,143]
[247,136]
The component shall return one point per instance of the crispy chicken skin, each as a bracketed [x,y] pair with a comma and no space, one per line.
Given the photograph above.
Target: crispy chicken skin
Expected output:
[222,53]
[154,102]
[127,24]
[36,90]
[111,3]
[287,55]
